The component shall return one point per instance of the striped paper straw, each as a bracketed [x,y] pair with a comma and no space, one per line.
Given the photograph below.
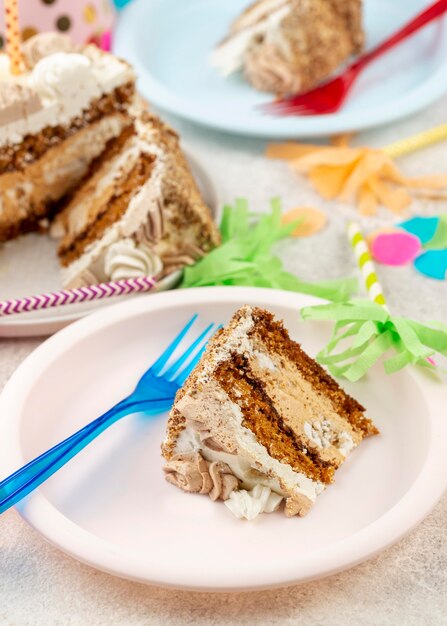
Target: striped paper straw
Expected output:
[74,296]
[366,265]
[13,35]
[417,142]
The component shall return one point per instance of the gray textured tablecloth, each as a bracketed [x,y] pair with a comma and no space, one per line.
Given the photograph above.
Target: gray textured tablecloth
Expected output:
[406,584]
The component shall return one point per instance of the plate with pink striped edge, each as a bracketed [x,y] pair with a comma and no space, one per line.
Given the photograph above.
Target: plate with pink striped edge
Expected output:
[29,266]
[111,506]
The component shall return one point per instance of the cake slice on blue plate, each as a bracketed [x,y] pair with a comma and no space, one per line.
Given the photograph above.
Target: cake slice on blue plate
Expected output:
[289,46]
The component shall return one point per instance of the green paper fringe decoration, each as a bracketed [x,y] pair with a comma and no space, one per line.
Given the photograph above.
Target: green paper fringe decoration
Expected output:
[375,332]
[245,257]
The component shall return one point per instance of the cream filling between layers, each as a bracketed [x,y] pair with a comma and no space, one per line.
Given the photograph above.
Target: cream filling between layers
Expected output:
[229,56]
[144,202]
[57,170]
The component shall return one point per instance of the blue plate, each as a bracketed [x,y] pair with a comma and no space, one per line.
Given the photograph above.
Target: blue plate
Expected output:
[169,43]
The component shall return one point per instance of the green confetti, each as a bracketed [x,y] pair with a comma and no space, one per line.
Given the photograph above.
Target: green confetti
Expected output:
[245,257]
[439,239]
[375,333]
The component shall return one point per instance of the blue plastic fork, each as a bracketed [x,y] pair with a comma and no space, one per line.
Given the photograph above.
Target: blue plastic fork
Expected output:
[154,394]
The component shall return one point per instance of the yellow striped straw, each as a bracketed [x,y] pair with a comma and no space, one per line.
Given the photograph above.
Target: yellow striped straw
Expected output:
[366,265]
[417,142]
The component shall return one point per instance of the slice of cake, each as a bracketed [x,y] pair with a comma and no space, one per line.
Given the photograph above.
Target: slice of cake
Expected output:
[55,119]
[258,421]
[138,212]
[289,46]
[77,146]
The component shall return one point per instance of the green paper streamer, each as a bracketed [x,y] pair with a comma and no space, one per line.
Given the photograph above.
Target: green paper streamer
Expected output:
[376,333]
[245,257]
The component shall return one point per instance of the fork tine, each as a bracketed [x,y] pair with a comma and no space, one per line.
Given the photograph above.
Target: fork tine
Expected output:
[183,375]
[185,356]
[166,355]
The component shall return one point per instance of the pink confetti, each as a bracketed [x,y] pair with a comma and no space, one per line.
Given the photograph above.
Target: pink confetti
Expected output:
[397,248]
[106,40]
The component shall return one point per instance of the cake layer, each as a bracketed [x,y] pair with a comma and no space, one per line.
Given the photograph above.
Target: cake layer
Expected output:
[114,179]
[266,422]
[140,192]
[29,195]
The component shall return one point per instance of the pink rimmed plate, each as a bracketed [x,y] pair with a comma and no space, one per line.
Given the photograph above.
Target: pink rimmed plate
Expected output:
[111,507]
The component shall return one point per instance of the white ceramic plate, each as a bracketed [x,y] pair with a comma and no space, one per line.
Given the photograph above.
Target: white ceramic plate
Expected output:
[111,507]
[29,266]
[169,42]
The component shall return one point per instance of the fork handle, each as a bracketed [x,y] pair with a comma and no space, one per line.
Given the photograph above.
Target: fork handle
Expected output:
[425,17]
[23,481]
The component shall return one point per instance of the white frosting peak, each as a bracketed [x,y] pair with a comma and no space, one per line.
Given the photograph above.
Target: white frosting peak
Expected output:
[63,75]
[125,259]
[5,68]
[249,504]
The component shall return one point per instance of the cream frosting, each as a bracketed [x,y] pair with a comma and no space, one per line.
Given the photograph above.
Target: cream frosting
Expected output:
[249,504]
[264,360]
[249,461]
[322,434]
[5,68]
[127,259]
[66,79]
[229,56]
[44,44]
[66,83]
[192,473]
[144,203]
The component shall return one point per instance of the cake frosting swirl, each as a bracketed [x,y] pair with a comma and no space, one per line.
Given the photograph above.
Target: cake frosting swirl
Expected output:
[127,259]
[192,473]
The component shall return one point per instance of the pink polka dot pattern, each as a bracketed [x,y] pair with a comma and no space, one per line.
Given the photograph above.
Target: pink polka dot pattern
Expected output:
[43,15]
[13,35]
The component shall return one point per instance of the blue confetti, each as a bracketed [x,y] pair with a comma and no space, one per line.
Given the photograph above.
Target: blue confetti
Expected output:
[433,264]
[423,227]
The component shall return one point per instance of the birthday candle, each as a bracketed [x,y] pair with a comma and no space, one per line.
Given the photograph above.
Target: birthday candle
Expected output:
[13,36]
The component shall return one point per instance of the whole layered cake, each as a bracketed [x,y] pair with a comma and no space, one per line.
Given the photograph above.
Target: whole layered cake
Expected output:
[259,422]
[289,46]
[79,150]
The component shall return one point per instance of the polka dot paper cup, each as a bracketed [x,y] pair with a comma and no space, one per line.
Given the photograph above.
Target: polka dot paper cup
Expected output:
[86,21]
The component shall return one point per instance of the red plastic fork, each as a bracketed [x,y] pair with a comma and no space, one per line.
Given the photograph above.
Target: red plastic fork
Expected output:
[329,97]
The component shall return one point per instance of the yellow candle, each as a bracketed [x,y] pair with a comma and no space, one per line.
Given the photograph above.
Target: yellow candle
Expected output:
[12,35]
